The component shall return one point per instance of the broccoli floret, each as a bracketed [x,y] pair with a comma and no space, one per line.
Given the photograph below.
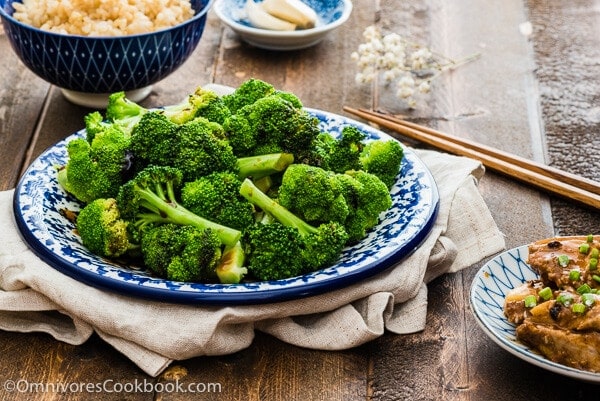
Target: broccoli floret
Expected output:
[127,113]
[216,197]
[231,269]
[153,140]
[247,93]
[367,197]
[181,253]
[124,112]
[210,106]
[271,125]
[102,230]
[202,149]
[150,198]
[313,194]
[272,251]
[321,246]
[383,158]
[97,169]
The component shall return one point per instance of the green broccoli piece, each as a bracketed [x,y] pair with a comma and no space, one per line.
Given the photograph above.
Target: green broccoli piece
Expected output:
[247,93]
[231,268]
[263,165]
[202,102]
[216,197]
[383,158]
[321,246]
[97,169]
[201,149]
[313,194]
[271,125]
[123,112]
[153,140]
[150,198]
[367,197]
[210,106]
[181,253]
[338,154]
[272,251]
[102,230]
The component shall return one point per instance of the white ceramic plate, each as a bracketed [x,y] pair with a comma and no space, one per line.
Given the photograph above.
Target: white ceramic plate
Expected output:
[331,15]
[490,286]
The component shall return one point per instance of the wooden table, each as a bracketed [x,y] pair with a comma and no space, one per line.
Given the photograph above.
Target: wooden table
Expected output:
[534,95]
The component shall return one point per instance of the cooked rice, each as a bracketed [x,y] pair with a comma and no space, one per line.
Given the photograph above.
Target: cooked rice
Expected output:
[103,17]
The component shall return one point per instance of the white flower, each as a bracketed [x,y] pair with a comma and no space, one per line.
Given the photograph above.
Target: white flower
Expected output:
[395,59]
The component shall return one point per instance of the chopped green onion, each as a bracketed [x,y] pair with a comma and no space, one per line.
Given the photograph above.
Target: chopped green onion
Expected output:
[563,260]
[574,275]
[595,253]
[596,278]
[545,293]
[588,299]
[584,248]
[578,308]
[565,299]
[530,301]
[590,238]
[593,264]
[584,288]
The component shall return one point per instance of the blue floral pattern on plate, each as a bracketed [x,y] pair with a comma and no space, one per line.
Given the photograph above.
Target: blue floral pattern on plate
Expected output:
[39,203]
[488,290]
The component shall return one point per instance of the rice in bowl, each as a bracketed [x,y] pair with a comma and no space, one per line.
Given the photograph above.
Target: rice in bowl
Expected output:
[102,17]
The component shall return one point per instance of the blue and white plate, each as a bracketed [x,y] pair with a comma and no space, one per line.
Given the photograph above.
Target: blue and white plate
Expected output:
[39,203]
[488,290]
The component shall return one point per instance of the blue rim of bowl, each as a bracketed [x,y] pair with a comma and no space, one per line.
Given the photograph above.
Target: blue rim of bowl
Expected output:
[197,15]
[287,34]
[245,293]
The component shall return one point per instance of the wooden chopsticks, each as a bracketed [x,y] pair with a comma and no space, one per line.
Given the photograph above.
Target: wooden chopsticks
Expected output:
[547,178]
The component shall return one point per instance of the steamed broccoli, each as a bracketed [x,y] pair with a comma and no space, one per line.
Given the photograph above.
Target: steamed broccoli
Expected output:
[272,251]
[320,246]
[127,113]
[181,253]
[367,197]
[338,154]
[313,194]
[231,268]
[150,198]
[247,93]
[102,230]
[97,169]
[216,197]
[382,158]
[271,124]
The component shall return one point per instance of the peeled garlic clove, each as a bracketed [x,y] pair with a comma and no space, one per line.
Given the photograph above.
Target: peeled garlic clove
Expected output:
[262,19]
[294,11]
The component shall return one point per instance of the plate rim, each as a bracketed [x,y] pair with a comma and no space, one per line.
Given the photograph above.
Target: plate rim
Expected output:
[246,297]
[504,341]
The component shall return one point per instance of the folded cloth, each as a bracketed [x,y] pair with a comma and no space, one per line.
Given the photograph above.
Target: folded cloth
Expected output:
[36,297]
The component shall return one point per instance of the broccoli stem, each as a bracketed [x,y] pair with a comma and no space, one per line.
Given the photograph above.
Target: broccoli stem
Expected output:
[169,211]
[231,268]
[263,165]
[255,196]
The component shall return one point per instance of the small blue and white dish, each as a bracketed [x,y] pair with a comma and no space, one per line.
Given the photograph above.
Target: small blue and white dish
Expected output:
[39,205]
[488,291]
[331,14]
[89,68]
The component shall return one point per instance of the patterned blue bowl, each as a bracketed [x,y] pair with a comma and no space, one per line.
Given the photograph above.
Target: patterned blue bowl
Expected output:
[100,65]
[331,14]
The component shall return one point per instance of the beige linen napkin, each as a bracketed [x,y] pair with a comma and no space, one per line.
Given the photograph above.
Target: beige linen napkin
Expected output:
[36,297]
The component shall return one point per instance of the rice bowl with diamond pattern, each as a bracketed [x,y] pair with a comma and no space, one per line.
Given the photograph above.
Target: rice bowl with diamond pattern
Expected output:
[87,68]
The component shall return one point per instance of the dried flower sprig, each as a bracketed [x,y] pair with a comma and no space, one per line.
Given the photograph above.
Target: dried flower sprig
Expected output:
[410,66]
